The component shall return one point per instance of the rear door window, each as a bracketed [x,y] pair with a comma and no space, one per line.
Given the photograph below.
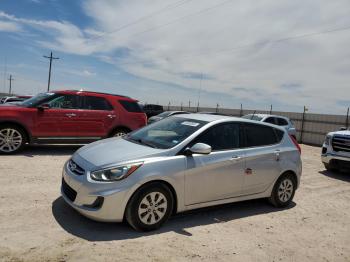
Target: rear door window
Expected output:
[271,120]
[96,103]
[131,106]
[221,137]
[282,122]
[259,135]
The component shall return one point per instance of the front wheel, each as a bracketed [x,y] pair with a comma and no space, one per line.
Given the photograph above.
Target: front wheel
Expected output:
[119,133]
[12,139]
[150,207]
[283,191]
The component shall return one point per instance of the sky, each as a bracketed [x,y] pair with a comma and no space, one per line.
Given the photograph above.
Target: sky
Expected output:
[227,52]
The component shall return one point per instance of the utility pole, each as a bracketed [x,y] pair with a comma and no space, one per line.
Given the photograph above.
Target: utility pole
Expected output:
[51,58]
[10,79]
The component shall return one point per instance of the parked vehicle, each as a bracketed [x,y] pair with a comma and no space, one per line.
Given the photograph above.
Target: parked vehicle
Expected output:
[211,113]
[275,120]
[181,163]
[152,110]
[13,99]
[67,117]
[336,150]
[164,115]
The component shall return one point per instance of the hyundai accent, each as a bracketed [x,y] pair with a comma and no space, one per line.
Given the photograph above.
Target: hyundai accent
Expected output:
[181,163]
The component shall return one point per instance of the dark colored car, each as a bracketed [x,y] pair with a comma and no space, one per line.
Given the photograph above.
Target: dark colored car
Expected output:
[152,110]
[67,117]
[164,115]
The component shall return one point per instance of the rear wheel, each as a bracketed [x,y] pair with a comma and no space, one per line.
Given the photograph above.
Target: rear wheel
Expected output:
[150,207]
[283,191]
[12,139]
[119,132]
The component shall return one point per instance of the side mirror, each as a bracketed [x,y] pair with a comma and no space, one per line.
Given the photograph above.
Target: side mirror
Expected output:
[199,148]
[342,128]
[43,107]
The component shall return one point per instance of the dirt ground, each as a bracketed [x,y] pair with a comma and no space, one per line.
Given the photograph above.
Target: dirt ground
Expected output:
[36,224]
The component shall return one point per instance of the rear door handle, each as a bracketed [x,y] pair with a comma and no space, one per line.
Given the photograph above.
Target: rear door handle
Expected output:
[70,115]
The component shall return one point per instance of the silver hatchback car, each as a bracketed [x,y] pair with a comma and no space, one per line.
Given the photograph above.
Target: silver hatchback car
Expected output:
[181,163]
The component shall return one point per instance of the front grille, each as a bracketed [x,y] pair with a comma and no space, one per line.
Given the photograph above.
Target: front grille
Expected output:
[68,191]
[75,168]
[341,143]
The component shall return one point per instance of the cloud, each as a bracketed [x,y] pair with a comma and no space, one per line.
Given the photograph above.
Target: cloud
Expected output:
[231,44]
[9,27]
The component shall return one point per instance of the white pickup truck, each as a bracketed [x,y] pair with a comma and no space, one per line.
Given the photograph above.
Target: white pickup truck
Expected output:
[336,151]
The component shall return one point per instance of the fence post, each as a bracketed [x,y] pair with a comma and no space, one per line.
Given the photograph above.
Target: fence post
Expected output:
[169,106]
[270,109]
[189,105]
[181,107]
[198,107]
[217,108]
[302,125]
[347,119]
[241,111]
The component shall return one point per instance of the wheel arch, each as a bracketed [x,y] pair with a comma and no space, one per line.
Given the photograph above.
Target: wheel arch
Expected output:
[166,183]
[290,172]
[119,127]
[19,125]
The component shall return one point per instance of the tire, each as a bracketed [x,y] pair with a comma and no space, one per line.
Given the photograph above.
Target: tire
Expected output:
[143,214]
[329,167]
[283,191]
[12,139]
[119,132]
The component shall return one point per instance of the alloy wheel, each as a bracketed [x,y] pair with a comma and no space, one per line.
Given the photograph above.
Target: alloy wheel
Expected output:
[10,140]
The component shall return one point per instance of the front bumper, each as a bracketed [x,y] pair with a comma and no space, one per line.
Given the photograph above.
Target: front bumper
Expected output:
[110,209]
[328,157]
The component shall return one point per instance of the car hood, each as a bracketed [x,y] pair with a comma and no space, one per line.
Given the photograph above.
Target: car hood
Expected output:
[342,133]
[113,151]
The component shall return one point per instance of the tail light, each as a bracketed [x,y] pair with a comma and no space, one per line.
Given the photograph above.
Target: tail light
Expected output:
[295,142]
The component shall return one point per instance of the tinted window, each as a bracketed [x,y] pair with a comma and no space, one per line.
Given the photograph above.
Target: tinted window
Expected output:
[64,102]
[252,117]
[270,120]
[130,106]
[282,122]
[96,103]
[220,137]
[259,135]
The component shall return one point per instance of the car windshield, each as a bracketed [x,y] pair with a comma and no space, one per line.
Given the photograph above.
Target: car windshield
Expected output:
[36,100]
[253,117]
[166,133]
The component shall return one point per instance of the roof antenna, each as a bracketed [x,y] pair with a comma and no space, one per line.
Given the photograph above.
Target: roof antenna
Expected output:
[252,115]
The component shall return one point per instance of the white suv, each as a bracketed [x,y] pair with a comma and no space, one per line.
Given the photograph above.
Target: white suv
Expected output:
[275,120]
[336,150]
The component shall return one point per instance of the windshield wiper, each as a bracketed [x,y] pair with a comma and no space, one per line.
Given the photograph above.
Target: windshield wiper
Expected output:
[142,142]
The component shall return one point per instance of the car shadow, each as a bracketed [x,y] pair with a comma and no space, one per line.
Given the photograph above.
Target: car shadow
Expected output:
[52,150]
[80,226]
[344,176]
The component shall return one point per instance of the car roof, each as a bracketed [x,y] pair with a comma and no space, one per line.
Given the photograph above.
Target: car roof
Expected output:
[93,93]
[223,118]
[268,115]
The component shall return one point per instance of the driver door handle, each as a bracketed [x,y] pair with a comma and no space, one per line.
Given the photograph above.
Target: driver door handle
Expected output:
[71,115]
[111,116]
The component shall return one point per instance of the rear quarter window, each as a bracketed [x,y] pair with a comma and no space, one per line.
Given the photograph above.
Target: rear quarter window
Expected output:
[260,135]
[131,106]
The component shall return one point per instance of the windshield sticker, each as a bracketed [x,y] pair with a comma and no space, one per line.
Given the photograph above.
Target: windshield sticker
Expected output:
[188,123]
[175,141]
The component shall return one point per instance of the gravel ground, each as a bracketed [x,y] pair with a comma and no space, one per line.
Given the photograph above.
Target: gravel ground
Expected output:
[36,225]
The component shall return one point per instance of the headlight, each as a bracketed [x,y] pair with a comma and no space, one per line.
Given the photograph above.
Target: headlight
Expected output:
[327,141]
[115,173]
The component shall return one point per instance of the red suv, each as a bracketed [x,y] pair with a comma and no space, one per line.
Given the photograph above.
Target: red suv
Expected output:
[67,117]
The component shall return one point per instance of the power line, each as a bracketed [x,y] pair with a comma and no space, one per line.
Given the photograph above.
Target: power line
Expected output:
[183,17]
[51,58]
[262,43]
[166,8]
